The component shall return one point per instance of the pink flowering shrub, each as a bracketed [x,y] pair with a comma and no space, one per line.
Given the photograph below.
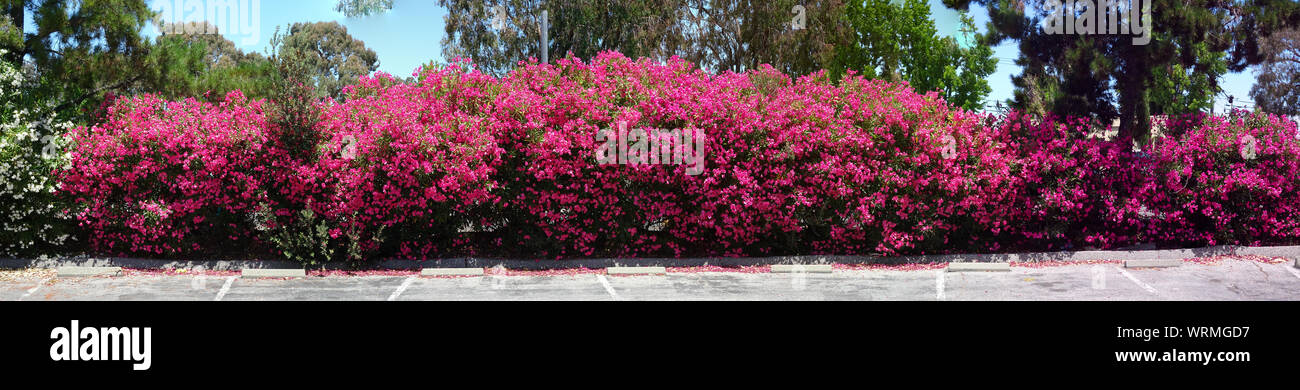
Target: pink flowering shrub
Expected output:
[806,167]
[558,201]
[874,167]
[1072,191]
[406,165]
[1225,180]
[457,162]
[165,178]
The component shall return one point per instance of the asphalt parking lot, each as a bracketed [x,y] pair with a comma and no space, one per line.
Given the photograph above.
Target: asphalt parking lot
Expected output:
[1231,279]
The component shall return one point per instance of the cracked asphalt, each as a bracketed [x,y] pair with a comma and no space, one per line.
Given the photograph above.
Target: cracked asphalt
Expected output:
[1226,280]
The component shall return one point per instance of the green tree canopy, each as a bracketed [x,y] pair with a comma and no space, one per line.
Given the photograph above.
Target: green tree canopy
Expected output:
[332,58]
[1104,76]
[797,37]
[207,65]
[1182,89]
[355,8]
[719,35]
[898,41]
[1277,84]
[81,49]
[497,34]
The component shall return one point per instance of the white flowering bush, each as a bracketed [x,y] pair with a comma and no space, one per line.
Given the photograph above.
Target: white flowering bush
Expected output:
[32,220]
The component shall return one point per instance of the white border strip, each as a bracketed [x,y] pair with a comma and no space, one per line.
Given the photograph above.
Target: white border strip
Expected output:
[32,290]
[938,285]
[1135,280]
[1292,270]
[636,271]
[608,288]
[405,284]
[225,288]
[274,273]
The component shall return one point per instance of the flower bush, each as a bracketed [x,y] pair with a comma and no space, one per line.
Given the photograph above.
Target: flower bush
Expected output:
[407,164]
[1226,180]
[32,219]
[557,201]
[1073,191]
[878,168]
[457,162]
[167,178]
[807,167]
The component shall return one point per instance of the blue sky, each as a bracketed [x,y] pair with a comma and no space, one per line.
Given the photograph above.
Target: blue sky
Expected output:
[408,36]
[411,35]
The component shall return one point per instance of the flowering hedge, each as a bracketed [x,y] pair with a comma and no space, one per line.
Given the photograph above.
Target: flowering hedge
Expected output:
[407,165]
[1072,191]
[558,201]
[458,162]
[168,178]
[33,221]
[1225,180]
[878,168]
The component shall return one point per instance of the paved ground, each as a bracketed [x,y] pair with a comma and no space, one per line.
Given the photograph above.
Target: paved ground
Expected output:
[1221,280]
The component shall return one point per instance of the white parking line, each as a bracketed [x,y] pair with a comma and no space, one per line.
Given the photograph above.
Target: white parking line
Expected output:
[1291,269]
[938,285]
[225,288]
[405,283]
[1135,280]
[609,289]
[33,289]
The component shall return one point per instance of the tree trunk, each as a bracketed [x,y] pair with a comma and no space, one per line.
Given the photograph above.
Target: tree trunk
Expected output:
[1134,102]
[1135,114]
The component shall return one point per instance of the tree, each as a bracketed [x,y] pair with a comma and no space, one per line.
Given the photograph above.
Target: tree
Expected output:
[11,32]
[718,35]
[331,57]
[206,65]
[797,37]
[1112,75]
[900,42]
[1277,83]
[82,49]
[1179,89]
[498,34]
[355,8]
[219,51]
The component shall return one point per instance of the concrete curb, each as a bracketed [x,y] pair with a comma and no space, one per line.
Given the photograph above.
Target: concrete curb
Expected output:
[1292,252]
[979,267]
[77,272]
[1160,263]
[138,263]
[801,268]
[274,273]
[519,264]
[636,271]
[451,272]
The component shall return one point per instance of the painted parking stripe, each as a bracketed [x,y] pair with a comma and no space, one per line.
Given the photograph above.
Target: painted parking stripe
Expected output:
[938,284]
[225,288]
[1136,281]
[405,284]
[33,289]
[1292,270]
[608,288]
